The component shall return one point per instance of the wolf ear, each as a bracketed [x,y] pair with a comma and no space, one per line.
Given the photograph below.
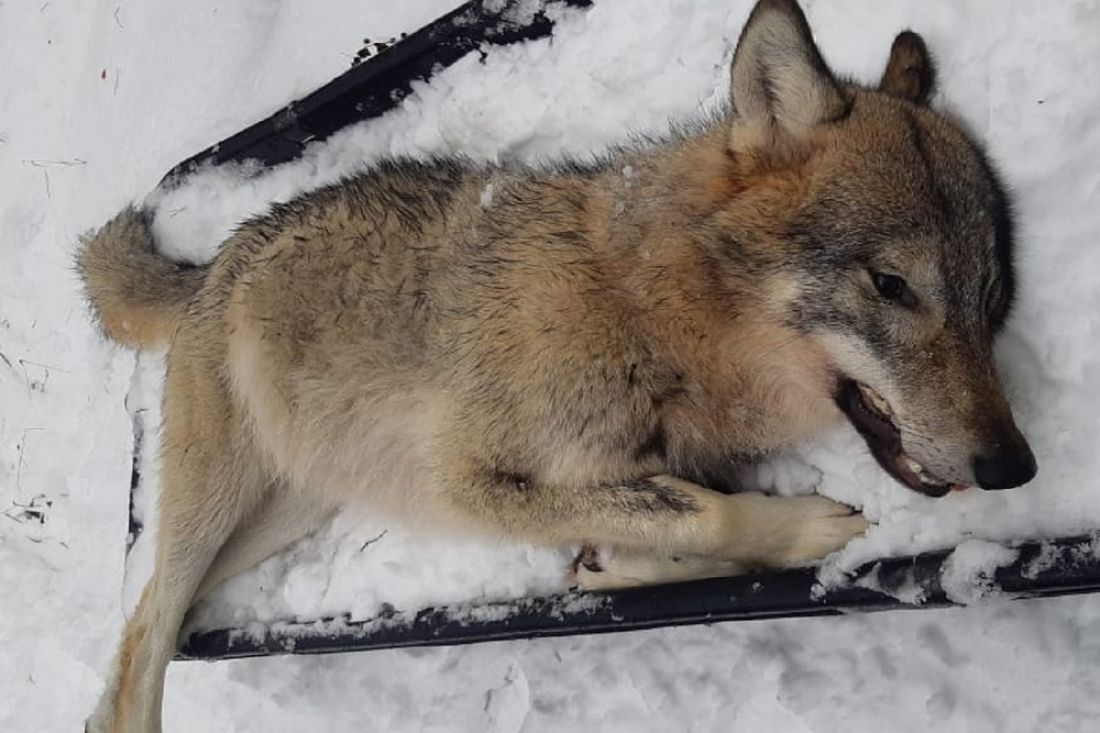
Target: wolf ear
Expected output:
[781,88]
[910,73]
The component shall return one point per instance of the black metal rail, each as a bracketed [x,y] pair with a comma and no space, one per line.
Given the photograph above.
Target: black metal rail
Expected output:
[1059,567]
[375,86]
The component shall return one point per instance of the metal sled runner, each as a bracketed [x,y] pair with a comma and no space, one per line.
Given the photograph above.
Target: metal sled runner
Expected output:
[1058,567]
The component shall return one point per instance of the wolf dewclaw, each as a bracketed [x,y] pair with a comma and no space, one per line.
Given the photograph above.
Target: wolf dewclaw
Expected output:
[573,354]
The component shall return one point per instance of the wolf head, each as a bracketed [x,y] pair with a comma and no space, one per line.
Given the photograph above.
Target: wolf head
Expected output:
[896,250]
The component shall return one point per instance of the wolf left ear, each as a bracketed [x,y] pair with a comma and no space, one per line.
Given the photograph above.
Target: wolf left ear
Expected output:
[781,88]
[910,73]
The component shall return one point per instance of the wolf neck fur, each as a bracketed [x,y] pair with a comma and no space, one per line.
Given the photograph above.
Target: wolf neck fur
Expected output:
[695,234]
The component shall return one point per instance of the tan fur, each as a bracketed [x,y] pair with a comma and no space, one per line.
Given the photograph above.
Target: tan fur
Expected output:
[137,294]
[548,354]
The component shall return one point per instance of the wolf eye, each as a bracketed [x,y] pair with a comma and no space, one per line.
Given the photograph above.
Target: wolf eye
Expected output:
[890,287]
[893,288]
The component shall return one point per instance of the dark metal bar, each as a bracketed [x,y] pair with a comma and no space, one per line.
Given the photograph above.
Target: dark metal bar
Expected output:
[1060,567]
[374,86]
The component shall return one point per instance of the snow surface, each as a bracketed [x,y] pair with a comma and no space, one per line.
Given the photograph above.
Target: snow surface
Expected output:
[100,99]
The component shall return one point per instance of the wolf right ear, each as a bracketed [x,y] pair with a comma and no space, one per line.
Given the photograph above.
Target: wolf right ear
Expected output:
[781,88]
[910,73]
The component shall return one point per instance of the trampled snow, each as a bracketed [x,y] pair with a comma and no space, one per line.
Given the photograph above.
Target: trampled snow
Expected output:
[101,99]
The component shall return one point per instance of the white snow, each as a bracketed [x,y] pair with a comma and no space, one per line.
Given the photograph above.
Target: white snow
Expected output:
[100,99]
[485,200]
[968,574]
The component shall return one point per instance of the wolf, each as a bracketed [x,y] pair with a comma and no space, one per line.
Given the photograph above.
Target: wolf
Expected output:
[583,354]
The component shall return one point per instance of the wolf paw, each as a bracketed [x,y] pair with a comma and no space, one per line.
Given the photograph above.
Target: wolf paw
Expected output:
[813,527]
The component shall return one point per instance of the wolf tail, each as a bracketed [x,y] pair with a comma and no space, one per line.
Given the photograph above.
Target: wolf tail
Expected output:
[137,294]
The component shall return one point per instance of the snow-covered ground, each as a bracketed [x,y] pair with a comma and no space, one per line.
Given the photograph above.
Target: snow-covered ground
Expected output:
[99,99]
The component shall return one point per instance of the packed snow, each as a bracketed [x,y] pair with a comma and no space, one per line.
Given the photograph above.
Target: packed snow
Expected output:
[101,99]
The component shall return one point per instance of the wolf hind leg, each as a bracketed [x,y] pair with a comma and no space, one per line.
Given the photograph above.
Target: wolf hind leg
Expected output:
[207,487]
[284,516]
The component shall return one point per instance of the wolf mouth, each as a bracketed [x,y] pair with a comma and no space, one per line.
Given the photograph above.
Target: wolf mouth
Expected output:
[870,414]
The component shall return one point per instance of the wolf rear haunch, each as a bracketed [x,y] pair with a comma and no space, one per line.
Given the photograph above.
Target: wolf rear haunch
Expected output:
[577,357]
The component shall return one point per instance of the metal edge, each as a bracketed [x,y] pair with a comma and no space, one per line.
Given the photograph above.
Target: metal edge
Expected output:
[372,87]
[1040,569]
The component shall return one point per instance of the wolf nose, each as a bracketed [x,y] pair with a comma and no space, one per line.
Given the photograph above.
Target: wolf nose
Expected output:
[1005,470]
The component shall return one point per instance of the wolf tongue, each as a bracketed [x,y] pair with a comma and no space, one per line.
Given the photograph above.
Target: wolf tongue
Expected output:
[959,487]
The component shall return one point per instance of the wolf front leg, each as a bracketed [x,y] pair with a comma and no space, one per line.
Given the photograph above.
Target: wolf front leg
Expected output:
[660,514]
[614,568]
